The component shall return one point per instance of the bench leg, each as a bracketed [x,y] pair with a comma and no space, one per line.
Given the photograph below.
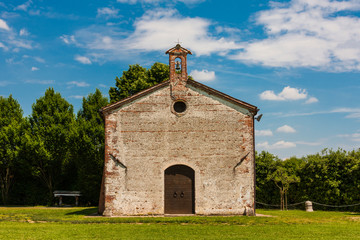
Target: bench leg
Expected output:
[60,201]
[76,200]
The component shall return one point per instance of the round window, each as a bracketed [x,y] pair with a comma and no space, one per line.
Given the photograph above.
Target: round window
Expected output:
[180,107]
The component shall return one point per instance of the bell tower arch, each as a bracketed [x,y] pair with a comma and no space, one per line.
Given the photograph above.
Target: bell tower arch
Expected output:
[178,69]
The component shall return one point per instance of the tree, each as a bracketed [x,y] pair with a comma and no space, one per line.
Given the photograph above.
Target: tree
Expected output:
[88,146]
[11,131]
[295,166]
[136,79]
[52,121]
[282,178]
[265,165]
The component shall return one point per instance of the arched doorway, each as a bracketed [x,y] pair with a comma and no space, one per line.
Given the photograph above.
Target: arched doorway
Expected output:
[179,190]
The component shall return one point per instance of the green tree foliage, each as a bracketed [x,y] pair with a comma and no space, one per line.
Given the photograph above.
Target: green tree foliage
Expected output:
[265,166]
[270,172]
[330,177]
[282,178]
[88,146]
[136,79]
[52,121]
[11,132]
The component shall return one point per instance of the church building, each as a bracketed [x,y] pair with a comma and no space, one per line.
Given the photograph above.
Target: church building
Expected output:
[179,147]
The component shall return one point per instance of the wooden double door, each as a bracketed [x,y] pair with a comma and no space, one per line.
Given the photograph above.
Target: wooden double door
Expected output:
[179,190]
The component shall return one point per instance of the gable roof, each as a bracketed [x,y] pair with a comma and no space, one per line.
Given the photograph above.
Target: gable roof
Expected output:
[192,83]
[177,48]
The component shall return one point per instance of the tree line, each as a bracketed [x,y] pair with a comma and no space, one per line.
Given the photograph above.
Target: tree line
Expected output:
[52,149]
[330,177]
[55,149]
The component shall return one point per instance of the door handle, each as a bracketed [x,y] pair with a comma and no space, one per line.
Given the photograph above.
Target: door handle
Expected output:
[175,195]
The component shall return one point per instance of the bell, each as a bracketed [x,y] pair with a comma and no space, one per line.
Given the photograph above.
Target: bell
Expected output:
[177,66]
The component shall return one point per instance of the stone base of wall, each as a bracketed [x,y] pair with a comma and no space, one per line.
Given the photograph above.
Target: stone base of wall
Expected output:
[242,212]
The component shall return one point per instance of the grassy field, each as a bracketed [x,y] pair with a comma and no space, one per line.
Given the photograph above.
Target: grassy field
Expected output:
[79,223]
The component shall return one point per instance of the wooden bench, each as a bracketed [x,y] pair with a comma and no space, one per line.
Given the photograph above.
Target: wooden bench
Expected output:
[61,194]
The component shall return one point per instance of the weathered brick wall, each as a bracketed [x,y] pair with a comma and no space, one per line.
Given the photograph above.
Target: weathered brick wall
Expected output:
[146,137]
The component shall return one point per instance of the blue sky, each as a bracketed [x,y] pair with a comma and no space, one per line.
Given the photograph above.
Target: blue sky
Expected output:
[298,61]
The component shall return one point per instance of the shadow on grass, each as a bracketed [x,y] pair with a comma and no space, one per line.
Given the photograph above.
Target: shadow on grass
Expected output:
[353,213]
[85,212]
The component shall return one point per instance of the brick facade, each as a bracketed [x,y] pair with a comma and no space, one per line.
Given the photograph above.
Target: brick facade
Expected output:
[144,136]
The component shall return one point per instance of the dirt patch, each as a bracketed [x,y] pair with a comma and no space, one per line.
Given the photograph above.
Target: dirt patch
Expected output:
[263,215]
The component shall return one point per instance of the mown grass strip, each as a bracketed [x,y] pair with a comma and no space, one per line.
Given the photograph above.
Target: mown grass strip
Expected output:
[79,223]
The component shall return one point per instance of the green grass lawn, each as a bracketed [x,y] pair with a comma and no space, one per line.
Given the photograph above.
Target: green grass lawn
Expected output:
[77,223]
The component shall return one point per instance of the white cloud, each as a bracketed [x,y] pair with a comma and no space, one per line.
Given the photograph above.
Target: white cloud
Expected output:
[24,6]
[351,113]
[82,59]
[263,133]
[19,43]
[278,145]
[76,96]
[355,137]
[156,30]
[319,34]
[3,25]
[287,94]
[3,46]
[23,32]
[191,1]
[345,110]
[107,12]
[269,95]
[354,115]
[159,1]
[309,143]
[133,1]
[286,129]
[11,40]
[43,82]
[78,84]
[34,69]
[203,75]
[312,100]
[68,39]
[39,59]
[5,83]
